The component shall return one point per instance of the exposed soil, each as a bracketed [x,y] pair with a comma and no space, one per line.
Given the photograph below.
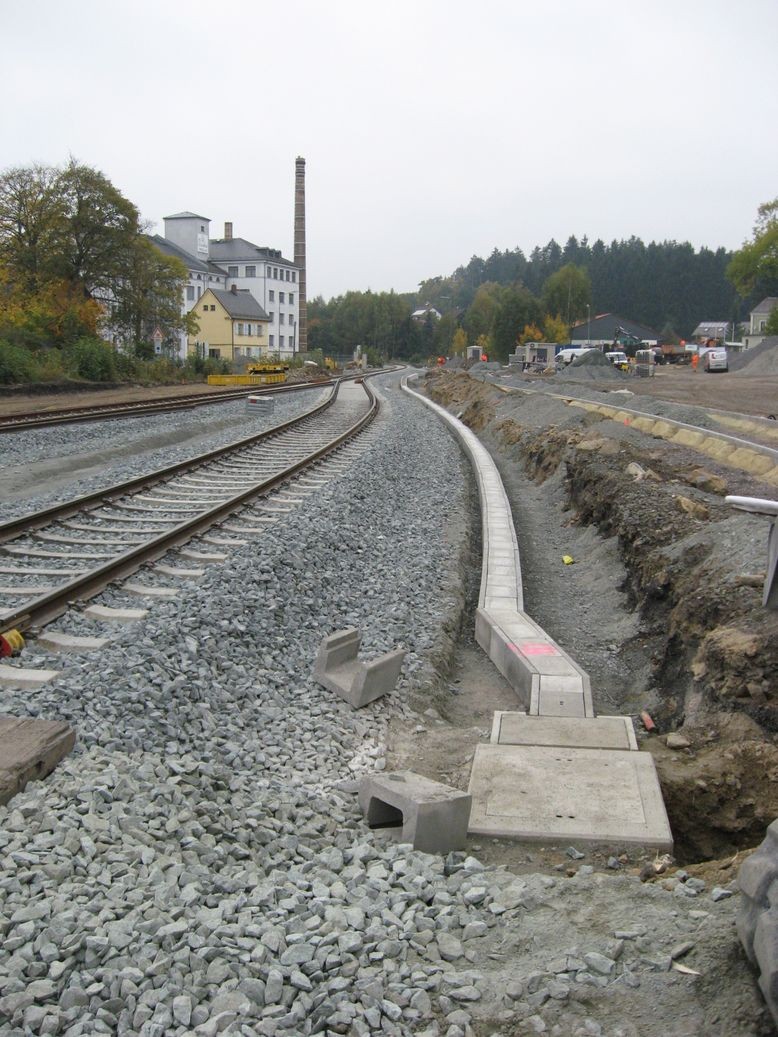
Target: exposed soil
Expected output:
[662,607]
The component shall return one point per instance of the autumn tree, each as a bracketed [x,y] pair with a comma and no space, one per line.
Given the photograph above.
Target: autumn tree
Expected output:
[531,333]
[459,342]
[73,253]
[555,329]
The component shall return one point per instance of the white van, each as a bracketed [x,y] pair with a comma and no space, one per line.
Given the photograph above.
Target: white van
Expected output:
[567,356]
[715,360]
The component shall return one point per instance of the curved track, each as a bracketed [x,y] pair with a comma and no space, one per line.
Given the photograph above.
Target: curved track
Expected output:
[74,550]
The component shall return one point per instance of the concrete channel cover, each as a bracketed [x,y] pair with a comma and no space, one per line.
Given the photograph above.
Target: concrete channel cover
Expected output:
[571,732]
[550,794]
[30,749]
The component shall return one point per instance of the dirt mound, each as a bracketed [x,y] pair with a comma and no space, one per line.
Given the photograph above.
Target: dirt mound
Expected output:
[593,366]
[762,359]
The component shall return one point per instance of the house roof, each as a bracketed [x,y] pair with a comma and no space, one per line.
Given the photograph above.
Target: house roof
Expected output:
[186,216]
[225,250]
[192,262]
[604,327]
[709,326]
[240,304]
[766,305]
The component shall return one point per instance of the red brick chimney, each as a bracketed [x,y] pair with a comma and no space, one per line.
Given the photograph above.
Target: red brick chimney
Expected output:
[228,232]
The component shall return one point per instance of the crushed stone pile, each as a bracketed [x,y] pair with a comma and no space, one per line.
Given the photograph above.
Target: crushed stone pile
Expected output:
[762,359]
[593,365]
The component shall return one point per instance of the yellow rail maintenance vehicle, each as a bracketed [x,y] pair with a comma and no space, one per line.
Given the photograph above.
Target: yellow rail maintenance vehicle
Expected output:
[262,373]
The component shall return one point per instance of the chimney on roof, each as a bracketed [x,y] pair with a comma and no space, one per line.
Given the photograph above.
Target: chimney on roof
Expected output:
[228,232]
[299,254]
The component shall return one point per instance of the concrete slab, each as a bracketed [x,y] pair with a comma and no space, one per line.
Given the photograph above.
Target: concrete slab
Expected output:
[110,615]
[182,574]
[552,794]
[29,750]
[144,590]
[57,642]
[199,556]
[590,733]
[22,677]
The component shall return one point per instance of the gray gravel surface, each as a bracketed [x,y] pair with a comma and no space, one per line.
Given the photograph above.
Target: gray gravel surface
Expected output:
[198,865]
[42,467]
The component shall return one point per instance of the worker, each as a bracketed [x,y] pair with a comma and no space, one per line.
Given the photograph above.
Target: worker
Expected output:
[695,361]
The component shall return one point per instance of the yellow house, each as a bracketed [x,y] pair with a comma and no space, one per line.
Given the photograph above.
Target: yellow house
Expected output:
[233,326]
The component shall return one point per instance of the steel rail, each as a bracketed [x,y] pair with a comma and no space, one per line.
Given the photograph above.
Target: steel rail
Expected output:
[48,606]
[104,412]
[25,523]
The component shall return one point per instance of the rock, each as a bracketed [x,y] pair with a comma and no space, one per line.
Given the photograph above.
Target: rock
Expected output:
[677,741]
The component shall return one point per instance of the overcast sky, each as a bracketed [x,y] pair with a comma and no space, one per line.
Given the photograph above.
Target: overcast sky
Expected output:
[432,130]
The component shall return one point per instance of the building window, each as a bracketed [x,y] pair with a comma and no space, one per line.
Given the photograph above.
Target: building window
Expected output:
[275,272]
[272,295]
[272,316]
[280,341]
[199,291]
[199,277]
[213,308]
[294,276]
[248,330]
[232,271]
[280,318]
[280,296]
[272,341]
[251,271]
[214,353]
[288,272]
[239,329]
[190,292]
[291,299]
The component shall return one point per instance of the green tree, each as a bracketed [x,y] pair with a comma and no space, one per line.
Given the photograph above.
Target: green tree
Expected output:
[568,292]
[771,326]
[517,307]
[98,229]
[754,268]
[31,215]
[147,295]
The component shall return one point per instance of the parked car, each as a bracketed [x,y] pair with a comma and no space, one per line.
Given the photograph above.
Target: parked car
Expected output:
[715,360]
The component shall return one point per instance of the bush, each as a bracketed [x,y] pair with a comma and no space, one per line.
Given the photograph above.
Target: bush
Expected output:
[92,359]
[16,364]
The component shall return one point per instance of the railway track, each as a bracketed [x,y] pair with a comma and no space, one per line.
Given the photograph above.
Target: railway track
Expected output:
[100,412]
[72,551]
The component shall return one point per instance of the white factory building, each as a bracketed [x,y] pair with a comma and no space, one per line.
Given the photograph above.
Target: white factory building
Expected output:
[222,263]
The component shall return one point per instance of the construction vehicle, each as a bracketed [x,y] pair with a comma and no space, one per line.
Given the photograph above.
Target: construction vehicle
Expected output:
[259,373]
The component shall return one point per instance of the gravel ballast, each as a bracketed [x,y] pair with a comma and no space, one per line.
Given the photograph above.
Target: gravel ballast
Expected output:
[198,865]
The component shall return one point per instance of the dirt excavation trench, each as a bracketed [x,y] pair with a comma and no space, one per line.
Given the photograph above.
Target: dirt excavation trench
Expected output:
[661,605]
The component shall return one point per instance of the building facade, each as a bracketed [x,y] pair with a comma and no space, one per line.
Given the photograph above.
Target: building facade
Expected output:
[757,322]
[221,264]
[232,326]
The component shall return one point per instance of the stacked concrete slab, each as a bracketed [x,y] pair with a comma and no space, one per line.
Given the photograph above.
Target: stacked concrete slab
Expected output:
[554,770]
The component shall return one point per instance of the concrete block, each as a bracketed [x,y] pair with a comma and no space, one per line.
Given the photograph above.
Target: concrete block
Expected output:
[554,794]
[339,670]
[433,816]
[29,750]
[510,728]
